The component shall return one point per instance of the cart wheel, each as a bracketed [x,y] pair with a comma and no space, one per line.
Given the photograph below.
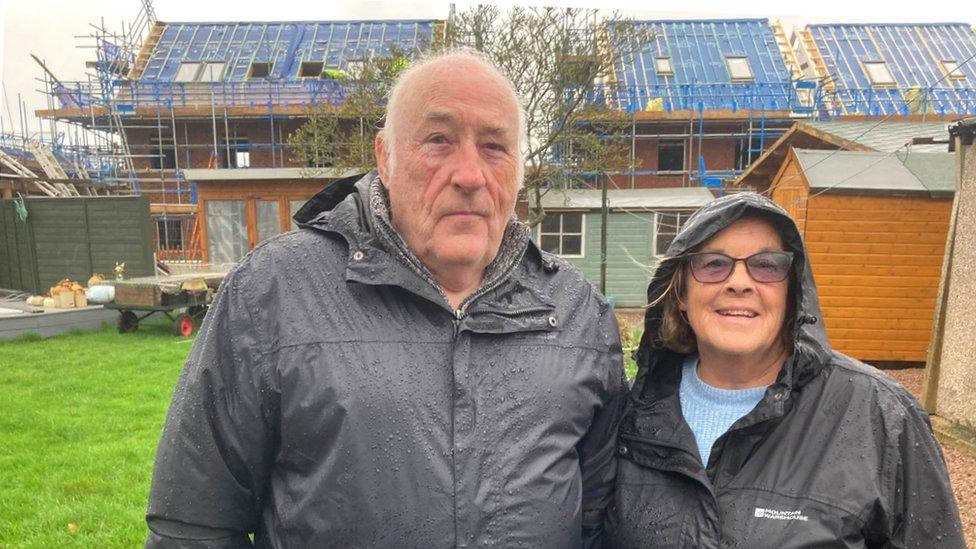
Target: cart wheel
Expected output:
[128,322]
[183,325]
[197,311]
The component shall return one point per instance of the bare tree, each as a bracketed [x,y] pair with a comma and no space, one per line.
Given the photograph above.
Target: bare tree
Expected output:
[562,62]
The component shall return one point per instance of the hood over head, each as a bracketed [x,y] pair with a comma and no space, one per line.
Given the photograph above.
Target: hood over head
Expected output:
[811,349]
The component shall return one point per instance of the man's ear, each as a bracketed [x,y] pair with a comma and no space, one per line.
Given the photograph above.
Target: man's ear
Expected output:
[382,156]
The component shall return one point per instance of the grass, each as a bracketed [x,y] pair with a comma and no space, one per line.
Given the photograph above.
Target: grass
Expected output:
[81,418]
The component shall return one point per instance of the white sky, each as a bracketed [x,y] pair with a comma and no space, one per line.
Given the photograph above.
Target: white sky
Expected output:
[48,28]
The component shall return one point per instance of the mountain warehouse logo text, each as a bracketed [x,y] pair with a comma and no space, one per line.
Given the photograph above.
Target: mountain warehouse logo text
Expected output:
[779,515]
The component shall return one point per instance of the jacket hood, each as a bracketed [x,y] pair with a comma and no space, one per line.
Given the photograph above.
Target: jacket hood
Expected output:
[811,350]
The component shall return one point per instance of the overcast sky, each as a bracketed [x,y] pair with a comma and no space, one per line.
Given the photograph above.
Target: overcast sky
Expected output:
[48,28]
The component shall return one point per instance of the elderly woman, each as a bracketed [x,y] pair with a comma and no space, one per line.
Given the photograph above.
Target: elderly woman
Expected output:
[744,429]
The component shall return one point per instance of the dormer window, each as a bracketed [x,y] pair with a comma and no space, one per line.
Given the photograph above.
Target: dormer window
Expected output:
[260,70]
[953,70]
[311,69]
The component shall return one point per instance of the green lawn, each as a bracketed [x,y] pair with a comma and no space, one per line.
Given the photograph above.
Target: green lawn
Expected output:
[82,414]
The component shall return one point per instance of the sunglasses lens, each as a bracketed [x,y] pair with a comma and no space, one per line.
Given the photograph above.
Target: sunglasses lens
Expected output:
[769,266]
[711,267]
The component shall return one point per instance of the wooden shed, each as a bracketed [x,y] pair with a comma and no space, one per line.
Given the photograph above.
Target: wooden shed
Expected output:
[875,225]
[240,208]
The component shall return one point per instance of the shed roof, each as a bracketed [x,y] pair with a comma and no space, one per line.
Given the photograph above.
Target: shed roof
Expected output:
[637,199]
[877,172]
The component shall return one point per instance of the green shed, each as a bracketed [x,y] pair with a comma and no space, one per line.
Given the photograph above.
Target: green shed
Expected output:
[640,225]
[72,238]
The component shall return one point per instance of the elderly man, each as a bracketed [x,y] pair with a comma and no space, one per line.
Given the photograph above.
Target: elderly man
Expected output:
[408,370]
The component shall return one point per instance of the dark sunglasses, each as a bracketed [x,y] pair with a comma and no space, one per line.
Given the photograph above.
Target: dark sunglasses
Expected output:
[711,267]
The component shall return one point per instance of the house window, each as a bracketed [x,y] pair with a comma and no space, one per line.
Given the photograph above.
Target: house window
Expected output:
[663,66]
[268,219]
[187,72]
[562,234]
[952,70]
[162,153]
[236,153]
[747,152]
[169,233]
[667,226]
[211,72]
[293,207]
[226,230]
[671,156]
[310,69]
[878,73]
[260,70]
[739,68]
[200,72]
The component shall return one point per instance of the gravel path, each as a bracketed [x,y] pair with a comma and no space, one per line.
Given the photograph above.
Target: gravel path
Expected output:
[962,466]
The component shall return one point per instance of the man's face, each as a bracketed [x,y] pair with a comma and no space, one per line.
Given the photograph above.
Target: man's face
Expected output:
[452,184]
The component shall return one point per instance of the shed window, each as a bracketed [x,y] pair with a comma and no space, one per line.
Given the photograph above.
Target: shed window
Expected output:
[562,234]
[878,73]
[226,230]
[310,69]
[952,70]
[667,226]
[663,66]
[671,156]
[739,68]
[260,70]
[268,219]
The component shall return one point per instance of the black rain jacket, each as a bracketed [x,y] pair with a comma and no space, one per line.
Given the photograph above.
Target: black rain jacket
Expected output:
[334,399]
[836,454]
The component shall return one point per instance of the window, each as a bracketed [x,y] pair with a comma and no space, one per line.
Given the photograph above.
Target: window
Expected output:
[667,226]
[747,152]
[200,72]
[226,230]
[268,219]
[162,153]
[878,73]
[293,207]
[309,69]
[562,234]
[212,72]
[739,68]
[663,66]
[952,70]
[260,70]
[236,153]
[169,233]
[187,72]
[670,156]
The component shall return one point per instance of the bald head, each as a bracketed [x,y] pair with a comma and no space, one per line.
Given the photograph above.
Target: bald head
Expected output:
[426,75]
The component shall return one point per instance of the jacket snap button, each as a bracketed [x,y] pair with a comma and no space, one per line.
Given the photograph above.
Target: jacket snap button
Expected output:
[777,396]
[552,321]
[358,255]
[623,450]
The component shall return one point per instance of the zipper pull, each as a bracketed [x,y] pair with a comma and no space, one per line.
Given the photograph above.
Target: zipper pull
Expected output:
[458,314]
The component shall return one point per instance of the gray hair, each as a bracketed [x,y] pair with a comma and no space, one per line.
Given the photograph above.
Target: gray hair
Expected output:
[454,55]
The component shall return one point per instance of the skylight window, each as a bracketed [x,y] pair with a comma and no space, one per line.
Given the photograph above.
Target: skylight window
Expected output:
[878,73]
[663,66]
[187,72]
[310,69]
[739,68]
[212,72]
[259,70]
[952,69]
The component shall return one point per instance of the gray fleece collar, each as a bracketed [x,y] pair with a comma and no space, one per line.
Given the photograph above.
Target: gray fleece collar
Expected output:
[514,243]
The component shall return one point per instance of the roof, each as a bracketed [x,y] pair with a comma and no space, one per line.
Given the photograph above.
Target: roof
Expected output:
[640,199]
[698,51]
[887,136]
[913,54]
[285,44]
[877,173]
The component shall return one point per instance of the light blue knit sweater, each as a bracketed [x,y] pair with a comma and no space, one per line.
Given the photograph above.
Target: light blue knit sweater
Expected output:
[710,411]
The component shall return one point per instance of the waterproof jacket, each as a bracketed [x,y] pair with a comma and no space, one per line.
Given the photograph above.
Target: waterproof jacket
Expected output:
[334,399]
[836,454]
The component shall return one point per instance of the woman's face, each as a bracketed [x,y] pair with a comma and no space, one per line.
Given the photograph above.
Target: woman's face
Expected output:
[738,318]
